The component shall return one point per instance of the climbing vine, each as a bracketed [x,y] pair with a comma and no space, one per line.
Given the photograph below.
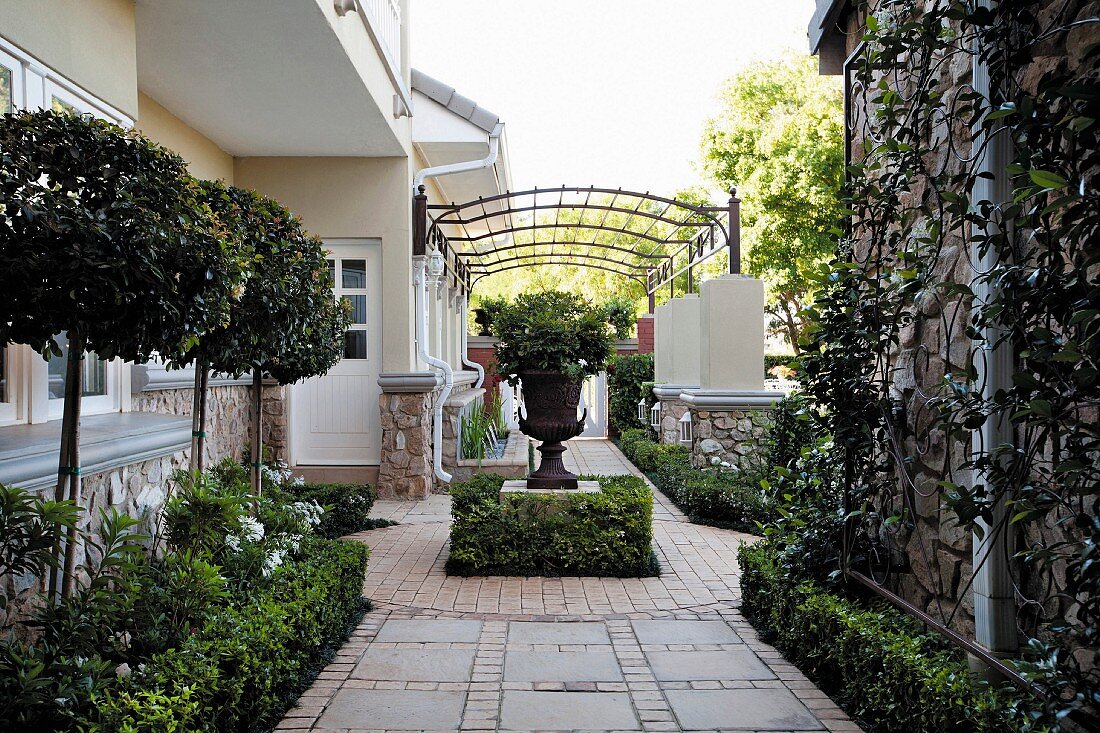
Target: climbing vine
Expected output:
[937,276]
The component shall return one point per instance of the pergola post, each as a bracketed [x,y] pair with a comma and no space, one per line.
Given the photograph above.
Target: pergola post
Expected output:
[733,236]
[420,222]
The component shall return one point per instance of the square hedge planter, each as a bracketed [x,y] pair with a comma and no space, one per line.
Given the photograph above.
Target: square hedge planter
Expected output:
[605,533]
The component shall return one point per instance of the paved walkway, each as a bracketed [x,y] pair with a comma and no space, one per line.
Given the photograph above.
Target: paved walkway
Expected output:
[672,653]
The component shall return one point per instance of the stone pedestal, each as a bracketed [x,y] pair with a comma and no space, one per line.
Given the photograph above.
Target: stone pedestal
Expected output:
[405,471]
[518,489]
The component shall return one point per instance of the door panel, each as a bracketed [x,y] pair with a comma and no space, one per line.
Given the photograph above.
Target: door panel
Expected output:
[335,417]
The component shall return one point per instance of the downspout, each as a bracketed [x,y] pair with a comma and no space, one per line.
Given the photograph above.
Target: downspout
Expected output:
[464,330]
[421,304]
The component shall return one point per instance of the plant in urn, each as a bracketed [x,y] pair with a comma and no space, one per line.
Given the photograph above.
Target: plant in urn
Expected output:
[550,342]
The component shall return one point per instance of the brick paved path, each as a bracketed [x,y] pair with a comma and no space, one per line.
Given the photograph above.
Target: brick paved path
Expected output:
[609,654]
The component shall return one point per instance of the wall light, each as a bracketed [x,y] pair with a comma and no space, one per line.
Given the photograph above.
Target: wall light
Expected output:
[685,428]
[655,416]
[642,410]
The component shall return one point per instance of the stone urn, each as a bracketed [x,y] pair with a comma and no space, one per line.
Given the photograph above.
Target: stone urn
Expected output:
[550,401]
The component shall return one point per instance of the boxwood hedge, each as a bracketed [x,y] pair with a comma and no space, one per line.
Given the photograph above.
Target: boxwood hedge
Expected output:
[877,663]
[719,497]
[609,533]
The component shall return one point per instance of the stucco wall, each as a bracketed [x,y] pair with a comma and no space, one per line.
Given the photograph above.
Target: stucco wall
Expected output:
[354,198]
[91,42]
[204,158]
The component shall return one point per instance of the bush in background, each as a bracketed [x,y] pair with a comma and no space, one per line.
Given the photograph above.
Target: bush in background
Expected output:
[719,496]
[347,506]
[626,379]
[608,533]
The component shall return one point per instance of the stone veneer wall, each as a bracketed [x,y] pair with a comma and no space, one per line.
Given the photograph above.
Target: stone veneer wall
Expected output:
[405,470]
[734,436]
[138,490]
[227,411]
[671,412]
[228,417]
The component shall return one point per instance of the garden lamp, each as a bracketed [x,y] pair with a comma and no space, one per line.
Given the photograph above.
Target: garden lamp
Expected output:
[436,266]
[655,416]
[685,428]
[642,410]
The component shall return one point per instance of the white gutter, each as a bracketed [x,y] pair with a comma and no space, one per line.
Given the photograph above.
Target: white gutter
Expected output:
[420,282]
[463,305]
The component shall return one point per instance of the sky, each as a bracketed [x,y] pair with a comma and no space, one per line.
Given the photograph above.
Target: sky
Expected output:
[601,92]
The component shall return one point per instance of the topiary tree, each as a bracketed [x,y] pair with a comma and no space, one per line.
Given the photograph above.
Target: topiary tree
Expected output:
[285,322]
[104,237]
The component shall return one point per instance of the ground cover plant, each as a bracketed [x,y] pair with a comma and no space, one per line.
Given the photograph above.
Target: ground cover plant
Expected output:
[214,625]
[609,533]
[718,496]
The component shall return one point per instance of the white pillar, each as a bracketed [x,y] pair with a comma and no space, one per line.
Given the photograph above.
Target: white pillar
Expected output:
[685,340]
[732,334]
[663,349]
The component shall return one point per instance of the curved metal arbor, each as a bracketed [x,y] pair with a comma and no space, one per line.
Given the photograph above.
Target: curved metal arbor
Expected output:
[646,238]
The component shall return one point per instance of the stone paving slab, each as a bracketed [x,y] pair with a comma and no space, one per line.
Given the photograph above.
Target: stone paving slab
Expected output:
[743,709]
[561,667]
[542,632]
[530,711]
[416,665]
[442,630]
[684,632]
[733,664]
[493,653]
[394,710]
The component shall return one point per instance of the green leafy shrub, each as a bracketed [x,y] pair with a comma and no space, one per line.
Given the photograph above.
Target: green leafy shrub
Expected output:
[247,663]
[347,506]
[874,661]
[627,377]
[554,331]
[608,533]
[621,314]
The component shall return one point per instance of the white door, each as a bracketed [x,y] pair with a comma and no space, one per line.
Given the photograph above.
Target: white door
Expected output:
[594,399]
[335,417]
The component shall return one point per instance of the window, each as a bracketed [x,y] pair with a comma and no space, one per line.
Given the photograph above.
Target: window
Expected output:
[31,388]
[350,277]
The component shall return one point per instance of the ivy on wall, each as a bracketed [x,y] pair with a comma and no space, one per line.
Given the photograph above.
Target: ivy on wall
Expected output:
[908,314]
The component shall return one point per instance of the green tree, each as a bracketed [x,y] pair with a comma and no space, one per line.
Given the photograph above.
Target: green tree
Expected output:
[286,322]
[104,237]
[779,140]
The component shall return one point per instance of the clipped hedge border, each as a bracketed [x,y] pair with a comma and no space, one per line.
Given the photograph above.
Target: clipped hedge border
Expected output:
[875,662]
[722,500]
[609,533]
[248,663]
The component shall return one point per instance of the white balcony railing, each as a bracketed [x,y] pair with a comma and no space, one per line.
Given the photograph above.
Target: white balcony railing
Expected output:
[385,17]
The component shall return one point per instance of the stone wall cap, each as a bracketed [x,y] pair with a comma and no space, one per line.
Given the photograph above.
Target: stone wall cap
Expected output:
[672,391]
[28,453]
[410,381]
[718,400]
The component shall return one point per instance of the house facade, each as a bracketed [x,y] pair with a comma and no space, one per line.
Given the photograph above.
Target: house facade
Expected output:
[310,102]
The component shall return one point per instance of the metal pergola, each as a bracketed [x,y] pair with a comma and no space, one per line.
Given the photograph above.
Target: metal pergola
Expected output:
[651,240]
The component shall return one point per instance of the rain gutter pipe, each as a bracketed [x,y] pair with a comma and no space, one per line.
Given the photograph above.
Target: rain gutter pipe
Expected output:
[420,282]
